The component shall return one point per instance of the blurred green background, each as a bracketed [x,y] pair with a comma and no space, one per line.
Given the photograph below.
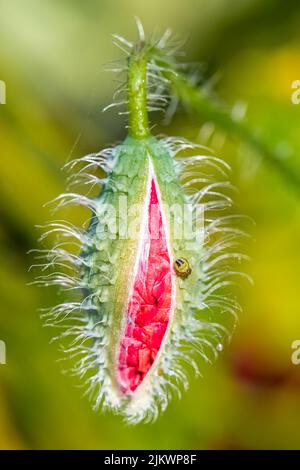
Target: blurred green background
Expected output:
[51,58]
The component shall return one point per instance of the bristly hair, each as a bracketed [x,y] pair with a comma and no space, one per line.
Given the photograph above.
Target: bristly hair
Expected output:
[83,320]
[163,52]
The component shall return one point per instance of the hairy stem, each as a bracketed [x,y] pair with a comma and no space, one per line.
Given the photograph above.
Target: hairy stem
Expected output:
[137,95]
[206,107]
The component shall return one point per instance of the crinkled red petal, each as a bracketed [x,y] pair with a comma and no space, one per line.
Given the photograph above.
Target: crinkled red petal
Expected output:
[149,306]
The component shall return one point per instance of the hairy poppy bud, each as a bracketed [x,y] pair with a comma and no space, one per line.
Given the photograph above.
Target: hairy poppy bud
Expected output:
[144,268]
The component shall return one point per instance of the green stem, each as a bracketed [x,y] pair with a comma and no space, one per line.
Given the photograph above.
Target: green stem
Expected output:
[204,106]
[137,95]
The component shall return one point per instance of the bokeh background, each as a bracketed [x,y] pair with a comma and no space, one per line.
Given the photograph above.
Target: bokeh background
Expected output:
[51,57]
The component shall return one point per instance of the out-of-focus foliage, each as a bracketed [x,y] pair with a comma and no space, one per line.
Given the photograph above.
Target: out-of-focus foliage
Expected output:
[51,58]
